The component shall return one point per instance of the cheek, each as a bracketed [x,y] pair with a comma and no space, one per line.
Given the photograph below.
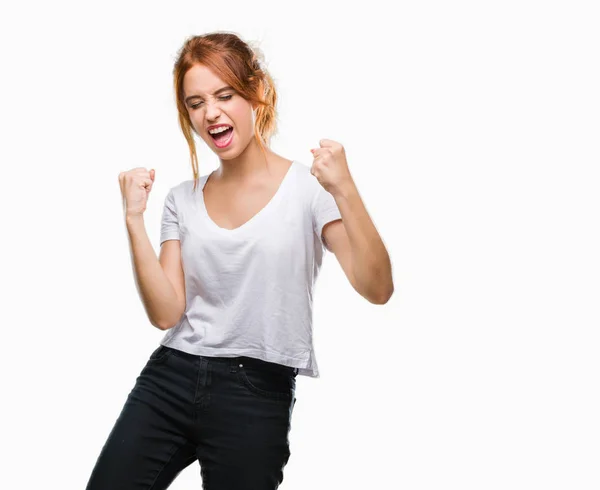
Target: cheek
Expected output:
[197,125]
[243,120]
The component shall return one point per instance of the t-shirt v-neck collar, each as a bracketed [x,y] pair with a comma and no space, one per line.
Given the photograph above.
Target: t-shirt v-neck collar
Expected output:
[254,219]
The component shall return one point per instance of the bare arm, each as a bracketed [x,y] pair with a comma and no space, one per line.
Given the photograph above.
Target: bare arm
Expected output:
[163,297]
[359,247]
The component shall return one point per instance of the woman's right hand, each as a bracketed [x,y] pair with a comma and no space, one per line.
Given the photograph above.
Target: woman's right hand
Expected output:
[136,185]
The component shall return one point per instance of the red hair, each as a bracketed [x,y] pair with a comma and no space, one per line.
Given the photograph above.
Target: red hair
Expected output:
[237,64]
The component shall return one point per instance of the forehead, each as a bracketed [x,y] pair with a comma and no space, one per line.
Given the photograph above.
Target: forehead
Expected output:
[200,80]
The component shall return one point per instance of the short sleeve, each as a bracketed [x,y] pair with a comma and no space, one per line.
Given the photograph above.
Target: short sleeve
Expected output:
[324,210]
[169,226]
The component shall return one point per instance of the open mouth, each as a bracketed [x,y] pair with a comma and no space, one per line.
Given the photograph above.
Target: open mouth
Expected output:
[223,136]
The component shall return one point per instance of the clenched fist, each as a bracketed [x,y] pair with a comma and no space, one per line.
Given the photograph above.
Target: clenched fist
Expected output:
[135,185]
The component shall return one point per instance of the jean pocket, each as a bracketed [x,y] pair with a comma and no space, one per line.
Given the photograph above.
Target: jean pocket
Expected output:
[268,383]
[160,354]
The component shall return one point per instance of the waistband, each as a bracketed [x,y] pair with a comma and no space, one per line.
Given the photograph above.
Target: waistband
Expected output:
[237,360]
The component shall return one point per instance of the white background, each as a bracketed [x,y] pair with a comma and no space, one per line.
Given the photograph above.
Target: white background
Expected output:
[471,130]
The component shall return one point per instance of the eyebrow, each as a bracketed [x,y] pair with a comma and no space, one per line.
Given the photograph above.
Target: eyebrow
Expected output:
[222,89]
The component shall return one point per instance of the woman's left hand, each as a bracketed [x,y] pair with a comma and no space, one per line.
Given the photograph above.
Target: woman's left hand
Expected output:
[330,166]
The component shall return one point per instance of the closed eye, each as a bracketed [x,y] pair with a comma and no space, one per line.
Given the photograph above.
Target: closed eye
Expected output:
[224,97]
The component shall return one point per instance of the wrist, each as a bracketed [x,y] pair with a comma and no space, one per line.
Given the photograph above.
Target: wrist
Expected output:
[345,189]
[134,218]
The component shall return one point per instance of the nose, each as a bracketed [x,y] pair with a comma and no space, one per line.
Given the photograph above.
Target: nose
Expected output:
[212,112]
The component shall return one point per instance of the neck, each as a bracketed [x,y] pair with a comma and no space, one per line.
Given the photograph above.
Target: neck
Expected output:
[247,166]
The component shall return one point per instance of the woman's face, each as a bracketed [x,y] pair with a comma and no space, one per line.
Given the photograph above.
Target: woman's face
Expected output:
[210,103]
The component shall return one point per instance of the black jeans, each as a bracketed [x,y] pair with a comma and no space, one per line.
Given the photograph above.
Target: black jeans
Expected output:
[232,414]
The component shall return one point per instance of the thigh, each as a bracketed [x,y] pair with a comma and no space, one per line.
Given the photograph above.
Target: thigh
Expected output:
[245,430]
[147,446]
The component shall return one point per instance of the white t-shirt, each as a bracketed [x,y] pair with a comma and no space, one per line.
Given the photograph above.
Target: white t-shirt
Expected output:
[249,291]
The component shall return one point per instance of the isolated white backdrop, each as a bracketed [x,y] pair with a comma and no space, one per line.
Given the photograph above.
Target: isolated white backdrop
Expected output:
[471,130]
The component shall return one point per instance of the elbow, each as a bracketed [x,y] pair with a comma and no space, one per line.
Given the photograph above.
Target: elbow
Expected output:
[164,326]
[378,289]
[382,295]
[169,323]
[161,325]
[379,296]
[382,298]
[176,317]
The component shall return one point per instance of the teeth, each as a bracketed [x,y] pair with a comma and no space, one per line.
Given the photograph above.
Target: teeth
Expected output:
[219,130]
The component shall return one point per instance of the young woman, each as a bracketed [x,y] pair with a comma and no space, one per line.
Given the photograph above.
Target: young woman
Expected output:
[241,249]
